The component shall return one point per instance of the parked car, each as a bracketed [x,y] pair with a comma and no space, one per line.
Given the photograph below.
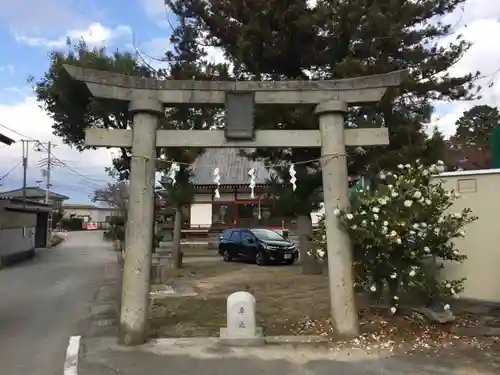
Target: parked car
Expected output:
[260,245]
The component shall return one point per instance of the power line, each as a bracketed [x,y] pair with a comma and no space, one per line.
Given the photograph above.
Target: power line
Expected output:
[9,172]
[53,156]
[18,133]
[89,179]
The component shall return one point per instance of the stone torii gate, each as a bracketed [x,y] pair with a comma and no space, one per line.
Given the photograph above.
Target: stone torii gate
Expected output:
[147,99]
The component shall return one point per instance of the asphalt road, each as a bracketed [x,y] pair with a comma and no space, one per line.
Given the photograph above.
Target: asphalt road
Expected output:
[45,300]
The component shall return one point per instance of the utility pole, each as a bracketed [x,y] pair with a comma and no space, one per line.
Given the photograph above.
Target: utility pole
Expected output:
[25,144]
[47,176]
[47,188]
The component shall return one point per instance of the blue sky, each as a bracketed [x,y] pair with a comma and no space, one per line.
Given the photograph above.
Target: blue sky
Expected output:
[30,29]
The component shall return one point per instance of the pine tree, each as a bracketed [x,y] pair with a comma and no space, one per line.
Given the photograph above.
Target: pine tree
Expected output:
[186,62]
[276,40]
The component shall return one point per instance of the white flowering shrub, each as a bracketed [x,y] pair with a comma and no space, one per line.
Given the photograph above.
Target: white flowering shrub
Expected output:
[397,229]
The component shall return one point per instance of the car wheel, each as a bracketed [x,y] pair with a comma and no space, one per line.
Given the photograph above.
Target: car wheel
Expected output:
[226,256]
[260,258]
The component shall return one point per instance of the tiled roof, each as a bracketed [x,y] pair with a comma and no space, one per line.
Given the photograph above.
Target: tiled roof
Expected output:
[32,193]
[233,168]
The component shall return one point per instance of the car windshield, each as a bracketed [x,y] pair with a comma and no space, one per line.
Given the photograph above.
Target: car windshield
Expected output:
[267,235]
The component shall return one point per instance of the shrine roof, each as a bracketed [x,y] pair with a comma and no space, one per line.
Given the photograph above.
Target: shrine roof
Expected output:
[233,168]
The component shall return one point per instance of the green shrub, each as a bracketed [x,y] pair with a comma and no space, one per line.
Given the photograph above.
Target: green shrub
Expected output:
[398,229]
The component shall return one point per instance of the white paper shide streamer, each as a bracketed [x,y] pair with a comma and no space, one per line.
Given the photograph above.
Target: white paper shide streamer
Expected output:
[217,182]
[251,173]
[293,179]
[172,173]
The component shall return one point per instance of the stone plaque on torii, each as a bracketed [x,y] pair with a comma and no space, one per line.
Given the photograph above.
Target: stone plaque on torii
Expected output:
[148,97]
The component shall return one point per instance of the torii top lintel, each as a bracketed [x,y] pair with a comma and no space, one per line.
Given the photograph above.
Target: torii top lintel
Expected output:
[355,91]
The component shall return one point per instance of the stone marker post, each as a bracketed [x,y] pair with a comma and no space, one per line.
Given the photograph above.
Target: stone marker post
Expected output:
[335,195]
[241,326]
[138,238]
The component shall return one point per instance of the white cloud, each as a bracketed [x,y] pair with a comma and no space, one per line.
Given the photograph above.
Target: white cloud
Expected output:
[94,34]
[44,17]
[7,68]
[156,10]
[28,119]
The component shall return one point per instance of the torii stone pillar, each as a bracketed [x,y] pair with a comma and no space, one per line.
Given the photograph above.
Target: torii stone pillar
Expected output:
[335,195]
[139,226]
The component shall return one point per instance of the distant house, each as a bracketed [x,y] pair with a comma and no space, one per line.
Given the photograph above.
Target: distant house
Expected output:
[6,140]
[22,228]
[35,194]
[89,212]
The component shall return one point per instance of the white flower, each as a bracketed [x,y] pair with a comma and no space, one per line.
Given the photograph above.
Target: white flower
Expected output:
[461,233]
[349,216]
[393,310]
[354,226]
[423,225]
[375,217]
[425,172]
[385,223]
[440,162]
[336,212]
[396,298]
[408,203]
[394,275]
[428,202]
[362,213]
[390,187]
[412,273]
[400,166]
[395,176]
[456,252]
[382,201]
[446,307]
[398,241]
[427,250]
[417,195]
[363,223]
[394,233]
[321,253]
[382,175]
[412,232]
[394,194]
[384,230]
[373,288]
[440,220]
[376,209]
[323,237]
[458,215]
[448,285]
[408,166]
[415,225]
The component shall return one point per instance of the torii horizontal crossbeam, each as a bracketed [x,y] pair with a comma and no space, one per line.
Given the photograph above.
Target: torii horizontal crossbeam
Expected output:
[216,138]
[357,90]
